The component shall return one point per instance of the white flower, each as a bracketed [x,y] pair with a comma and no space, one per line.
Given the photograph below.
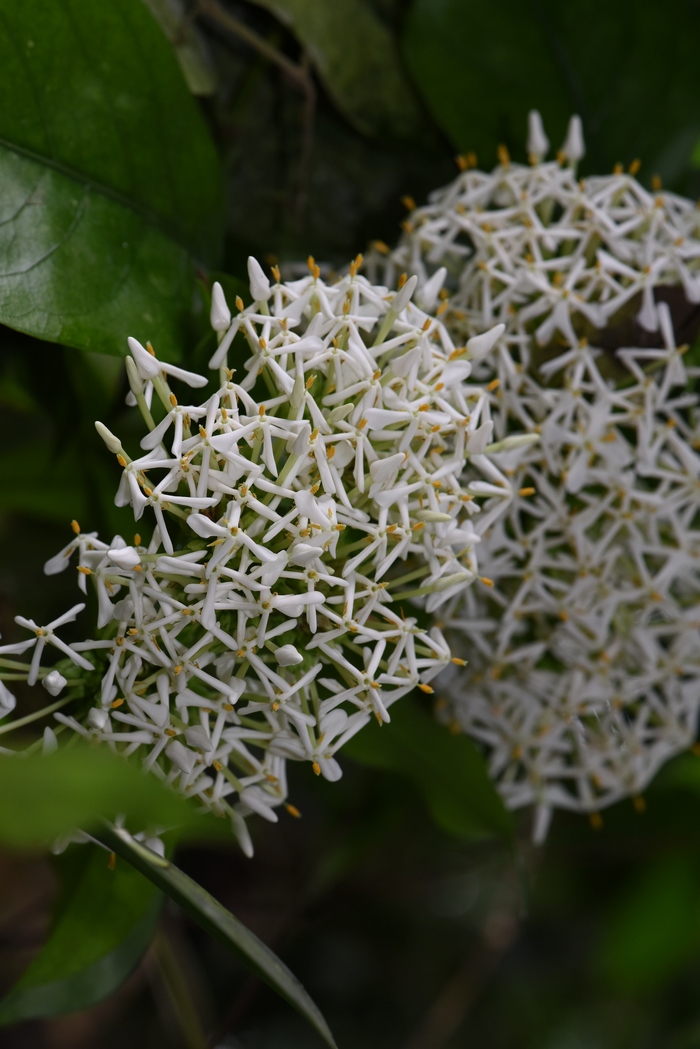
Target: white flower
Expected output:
[584,646]
[297,512]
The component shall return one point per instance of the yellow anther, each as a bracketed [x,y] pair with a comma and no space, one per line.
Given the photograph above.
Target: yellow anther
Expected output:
[149,347]
[486,581]
[503,155]
[171,732]
[276,273]
[458,662]
[426,688]
[84,570]
[381,247]
[239,302]
[402,280]
[317,768]
[656,183]
[408,202]
[75,526]
[493,385]
[310,381]
[526,491]
[311,262]
[262,343]
[635,166]
[292,810]
[116,703]
[596,820]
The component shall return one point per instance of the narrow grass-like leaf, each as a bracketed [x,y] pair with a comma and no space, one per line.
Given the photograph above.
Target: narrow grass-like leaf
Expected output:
[219,922]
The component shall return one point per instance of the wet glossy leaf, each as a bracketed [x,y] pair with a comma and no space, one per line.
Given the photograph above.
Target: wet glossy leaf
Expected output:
[447,769]
[357,59]
[110,181]
[220,923]
[629,73]
[103,925]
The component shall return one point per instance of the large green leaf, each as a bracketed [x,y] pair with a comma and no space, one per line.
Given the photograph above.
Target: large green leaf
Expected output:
[103,926]
[219,922]
[447,769]
[356,57]
[628,72]
[111,185]
[43,798]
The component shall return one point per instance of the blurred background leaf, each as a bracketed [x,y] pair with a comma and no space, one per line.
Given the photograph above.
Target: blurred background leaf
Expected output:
[356,58]
[103,925]
[447,769]
[111,182]
[629,73]
[45,797]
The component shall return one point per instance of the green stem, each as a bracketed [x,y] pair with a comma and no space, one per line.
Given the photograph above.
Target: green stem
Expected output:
[29,718]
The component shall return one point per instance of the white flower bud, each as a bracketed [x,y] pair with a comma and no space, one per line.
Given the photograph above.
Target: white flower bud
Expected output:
[124,557]
[220,314]
[113,443]
[97,718]
[259,284]
[49,742]
[574,147]
[288,656]
[537,141]
[54,683]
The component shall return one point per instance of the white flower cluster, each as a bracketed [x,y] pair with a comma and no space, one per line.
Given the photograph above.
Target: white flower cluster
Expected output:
[265,620]
[584,659]
[544,253]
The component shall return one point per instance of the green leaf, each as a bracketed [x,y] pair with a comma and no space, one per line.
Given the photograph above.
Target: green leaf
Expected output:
[447,769]
[630,74]
[655,928]
[219,922]
[45,797]
[357,59]
[101,930]
[111,185]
